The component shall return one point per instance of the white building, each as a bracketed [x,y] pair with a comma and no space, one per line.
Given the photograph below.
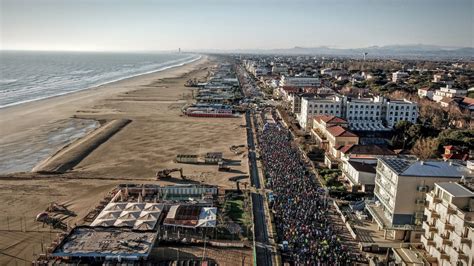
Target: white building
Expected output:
[368,114]
[448,92]
[399,76]
[300,81]
[448,230]
[360,175]
[280,69]
[400,190]
[426,93]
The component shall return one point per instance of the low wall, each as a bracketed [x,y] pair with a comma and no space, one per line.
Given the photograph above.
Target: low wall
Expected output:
[71,154]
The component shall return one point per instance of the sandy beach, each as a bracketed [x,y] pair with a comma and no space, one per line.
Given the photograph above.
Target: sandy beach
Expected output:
[156,134]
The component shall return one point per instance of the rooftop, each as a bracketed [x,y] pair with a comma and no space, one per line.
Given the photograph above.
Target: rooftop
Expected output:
[101,242]
[329,118]
[338,131]
[456,190]
[362,167]
[367,149]
[407,167]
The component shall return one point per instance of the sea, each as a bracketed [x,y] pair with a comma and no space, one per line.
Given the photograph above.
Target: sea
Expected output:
[31,76]
[27,76]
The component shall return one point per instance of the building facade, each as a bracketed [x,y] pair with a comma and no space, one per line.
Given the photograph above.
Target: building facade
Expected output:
[448,92]
[367,114]
[399,76]
[300,81]
[400,190]
[448,230]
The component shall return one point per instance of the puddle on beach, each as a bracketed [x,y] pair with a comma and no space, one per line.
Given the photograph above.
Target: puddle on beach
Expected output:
[21,155]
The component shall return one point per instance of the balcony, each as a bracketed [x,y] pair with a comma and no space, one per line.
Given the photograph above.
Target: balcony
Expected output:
[420,201]
[447,242]
[427,242]
[466,241]
[431,215]
[429,228]
[451,210]
[432,198]
[449,226]
[384,199]
[444,256]
[463,257]
[422,188]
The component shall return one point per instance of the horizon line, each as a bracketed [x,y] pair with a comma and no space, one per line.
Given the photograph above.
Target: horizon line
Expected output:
[452,47]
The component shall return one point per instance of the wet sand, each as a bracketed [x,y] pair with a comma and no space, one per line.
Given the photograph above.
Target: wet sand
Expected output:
[157,133]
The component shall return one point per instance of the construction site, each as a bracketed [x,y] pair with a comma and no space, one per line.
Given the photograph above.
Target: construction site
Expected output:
[140,223]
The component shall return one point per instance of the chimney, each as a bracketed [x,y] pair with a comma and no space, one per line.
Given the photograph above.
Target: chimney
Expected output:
[422,162]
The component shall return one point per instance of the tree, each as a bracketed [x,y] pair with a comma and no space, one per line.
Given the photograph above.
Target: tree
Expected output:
[425,148]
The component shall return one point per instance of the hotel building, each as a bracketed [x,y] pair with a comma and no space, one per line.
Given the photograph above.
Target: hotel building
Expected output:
[300,81]
[363,114]
[400,190]
[448,230]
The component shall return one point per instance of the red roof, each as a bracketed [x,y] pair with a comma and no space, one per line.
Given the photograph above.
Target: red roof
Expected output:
[290,89]
[346,148]
[366,149]
[329,118]
[450,147]
[338,131]
[468,101]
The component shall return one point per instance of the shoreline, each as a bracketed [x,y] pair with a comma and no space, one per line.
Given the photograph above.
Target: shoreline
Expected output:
[21,117]
[104,83]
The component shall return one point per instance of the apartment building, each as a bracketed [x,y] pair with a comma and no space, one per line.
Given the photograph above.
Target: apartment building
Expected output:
[313,106]
[426,93]
[331,133]
[363,114]
[300,81]
[361,175]
[448,92]
[400,189]
[399,76]
[280,69]
[449,228]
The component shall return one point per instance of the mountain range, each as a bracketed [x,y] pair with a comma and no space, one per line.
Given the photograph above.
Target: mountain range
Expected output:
[389,51]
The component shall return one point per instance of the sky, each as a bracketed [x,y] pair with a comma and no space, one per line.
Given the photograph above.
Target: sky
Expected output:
[155,25]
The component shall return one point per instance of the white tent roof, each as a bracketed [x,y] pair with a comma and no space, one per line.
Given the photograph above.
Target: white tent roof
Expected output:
[207,217]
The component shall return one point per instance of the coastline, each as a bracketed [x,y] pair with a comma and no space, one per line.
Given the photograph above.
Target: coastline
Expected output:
[22,117]
[157,133]
[105,83]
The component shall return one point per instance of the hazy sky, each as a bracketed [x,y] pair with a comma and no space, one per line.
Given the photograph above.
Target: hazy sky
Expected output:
[232,24]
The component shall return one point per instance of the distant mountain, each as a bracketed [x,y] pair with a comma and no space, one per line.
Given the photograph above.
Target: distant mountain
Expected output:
[389,51]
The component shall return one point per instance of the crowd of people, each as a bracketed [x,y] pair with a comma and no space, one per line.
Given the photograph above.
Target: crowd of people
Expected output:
[300,206]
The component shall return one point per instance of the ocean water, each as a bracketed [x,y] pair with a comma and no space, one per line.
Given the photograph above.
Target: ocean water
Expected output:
[30,76]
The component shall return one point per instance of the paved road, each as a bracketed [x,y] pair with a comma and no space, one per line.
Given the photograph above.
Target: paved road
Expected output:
[263,252]
[254,179]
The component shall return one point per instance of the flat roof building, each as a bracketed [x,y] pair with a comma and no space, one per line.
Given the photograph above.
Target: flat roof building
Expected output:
[400,189]
[448,230]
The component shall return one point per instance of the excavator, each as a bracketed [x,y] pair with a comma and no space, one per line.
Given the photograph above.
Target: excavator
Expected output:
[166,173]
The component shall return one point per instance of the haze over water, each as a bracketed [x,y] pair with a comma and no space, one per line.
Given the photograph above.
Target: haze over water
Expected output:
[28,76]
